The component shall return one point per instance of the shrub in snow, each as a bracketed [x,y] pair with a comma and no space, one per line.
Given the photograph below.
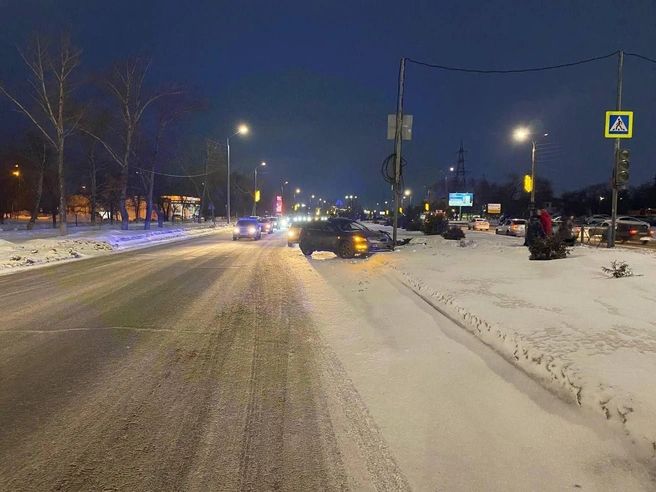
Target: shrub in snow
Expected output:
[455,233]
[548,248]
[618,269]
[436,224]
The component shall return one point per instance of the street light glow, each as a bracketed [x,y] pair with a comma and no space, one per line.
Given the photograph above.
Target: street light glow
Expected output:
[407,192]
[521,134]
[263,164]
[451,169]
[298,190]
[243,129]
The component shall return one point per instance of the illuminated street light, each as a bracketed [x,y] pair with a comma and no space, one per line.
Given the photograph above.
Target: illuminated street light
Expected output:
[255,197]
[242,130]
[520,135]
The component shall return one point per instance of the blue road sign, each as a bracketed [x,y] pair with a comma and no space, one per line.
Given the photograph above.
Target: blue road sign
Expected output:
[619,124]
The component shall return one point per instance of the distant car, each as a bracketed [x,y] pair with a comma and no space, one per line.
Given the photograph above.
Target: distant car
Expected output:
[597,218]
[651,220]
[293,232]
[247,228]
[275,223]
[625,230]
[265,224]
[344,237]
[478,224]
[512,227]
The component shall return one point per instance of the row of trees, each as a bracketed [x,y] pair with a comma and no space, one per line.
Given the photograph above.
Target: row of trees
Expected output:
[584,201]
[112,136]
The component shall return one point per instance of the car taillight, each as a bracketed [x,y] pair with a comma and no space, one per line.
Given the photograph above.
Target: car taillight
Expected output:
[633,231]
[514,228]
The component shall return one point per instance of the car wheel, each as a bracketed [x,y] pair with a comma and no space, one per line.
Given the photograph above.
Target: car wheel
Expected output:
[305,248]
[234,238]
[507,233]
[290,245]
[346,250]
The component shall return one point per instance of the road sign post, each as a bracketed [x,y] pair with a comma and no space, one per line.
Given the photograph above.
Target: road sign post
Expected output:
[619,124]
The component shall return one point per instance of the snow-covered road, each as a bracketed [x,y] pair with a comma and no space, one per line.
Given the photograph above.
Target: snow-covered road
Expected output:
[214,365]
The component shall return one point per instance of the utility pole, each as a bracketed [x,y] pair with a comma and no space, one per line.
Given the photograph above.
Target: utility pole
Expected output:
[397,150]
[613,221]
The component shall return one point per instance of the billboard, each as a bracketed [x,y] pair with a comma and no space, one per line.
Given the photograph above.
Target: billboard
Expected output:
[278,205]
[493,208]
[461,199]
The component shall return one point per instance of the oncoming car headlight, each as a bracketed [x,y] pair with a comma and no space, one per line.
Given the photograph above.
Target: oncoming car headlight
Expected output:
[251,230]
[236,230]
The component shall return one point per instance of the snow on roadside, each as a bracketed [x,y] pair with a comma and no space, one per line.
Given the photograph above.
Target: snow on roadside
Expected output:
[18,251]
[563,321]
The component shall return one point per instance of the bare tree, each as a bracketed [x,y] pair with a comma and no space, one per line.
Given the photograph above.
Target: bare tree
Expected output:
[38,156]
[124,82]
[169,111]
[51,89]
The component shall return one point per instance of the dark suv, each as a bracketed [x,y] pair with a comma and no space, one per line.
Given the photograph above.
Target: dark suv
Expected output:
[344,237]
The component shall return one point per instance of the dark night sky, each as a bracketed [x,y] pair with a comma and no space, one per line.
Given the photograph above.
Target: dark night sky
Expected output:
[316,80]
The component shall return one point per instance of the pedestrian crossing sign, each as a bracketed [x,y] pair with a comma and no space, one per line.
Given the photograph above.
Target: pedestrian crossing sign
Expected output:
[619,124]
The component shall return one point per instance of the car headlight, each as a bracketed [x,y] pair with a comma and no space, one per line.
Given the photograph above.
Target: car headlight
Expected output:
[236,230]
[290,233]
[359,239]
[251,230]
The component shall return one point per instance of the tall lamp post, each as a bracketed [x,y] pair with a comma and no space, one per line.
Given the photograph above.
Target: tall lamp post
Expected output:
[242,130]
[297,191]
[522,134]
[446,183]
[255,197]
[16,173]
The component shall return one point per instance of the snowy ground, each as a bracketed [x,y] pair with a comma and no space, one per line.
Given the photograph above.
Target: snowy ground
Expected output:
[587,336]
[20,248]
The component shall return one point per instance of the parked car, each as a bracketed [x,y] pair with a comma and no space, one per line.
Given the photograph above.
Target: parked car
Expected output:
[625,230]
[249,228]
[478,224]
[344,237]
[293,232]
[512,227]
[651,220]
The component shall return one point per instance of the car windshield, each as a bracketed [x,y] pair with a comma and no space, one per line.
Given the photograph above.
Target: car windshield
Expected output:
[352,226]
[244,223]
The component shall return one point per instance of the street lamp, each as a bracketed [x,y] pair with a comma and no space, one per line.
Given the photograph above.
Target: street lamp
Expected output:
[520,135]
[255,197]
[16,173]
[446,182]
[242,130]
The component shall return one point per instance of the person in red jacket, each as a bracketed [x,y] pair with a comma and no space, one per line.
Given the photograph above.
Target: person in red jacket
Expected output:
[545,220]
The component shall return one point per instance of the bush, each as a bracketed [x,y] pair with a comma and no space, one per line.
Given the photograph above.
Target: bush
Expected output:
[618,269]
[435,224]
[454,233]
[548,248]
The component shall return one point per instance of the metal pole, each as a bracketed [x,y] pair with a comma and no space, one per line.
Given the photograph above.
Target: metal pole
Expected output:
[255,193]
[533,178]
[397,149]
[228,193]
[613,220]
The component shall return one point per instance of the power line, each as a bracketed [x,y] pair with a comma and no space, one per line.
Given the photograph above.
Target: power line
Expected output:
[520,70]
[641,57]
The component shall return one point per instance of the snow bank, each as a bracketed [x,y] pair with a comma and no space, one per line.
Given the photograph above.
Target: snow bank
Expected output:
[18,251]
[584,335]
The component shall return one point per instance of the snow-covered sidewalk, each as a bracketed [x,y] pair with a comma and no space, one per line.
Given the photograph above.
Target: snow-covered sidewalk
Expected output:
[21,249]
[564,321]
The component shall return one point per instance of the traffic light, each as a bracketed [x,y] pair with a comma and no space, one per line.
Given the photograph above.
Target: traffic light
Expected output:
[622,166]
[528,183]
